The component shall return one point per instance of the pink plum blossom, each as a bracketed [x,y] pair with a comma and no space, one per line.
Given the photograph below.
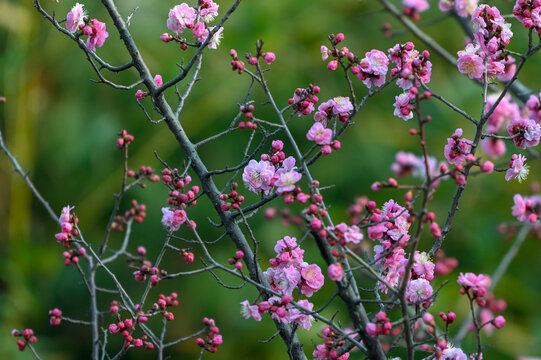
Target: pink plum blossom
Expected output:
[517,168]
[75,18]
[335,272]
[200,31]
[313,279]
[470,63]
[173,218]
[319,134]
[259,176]
[287,176]
[180,17]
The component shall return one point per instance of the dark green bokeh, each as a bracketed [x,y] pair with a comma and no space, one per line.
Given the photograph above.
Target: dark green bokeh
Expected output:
[63,128]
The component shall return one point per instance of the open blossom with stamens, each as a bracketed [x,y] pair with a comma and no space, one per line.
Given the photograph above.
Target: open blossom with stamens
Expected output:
[75,18]
[517,168]
[259,176]
[287,176]
[422,266]
[529,132]
[180,17]
[288,252]
[470,62]
[457,148]
[283,279]
[319,134]
[216,38]
[418,290]
[342,106]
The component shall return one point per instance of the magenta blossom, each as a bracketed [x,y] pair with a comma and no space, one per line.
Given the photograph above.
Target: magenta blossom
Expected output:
[98,35]
[526,208]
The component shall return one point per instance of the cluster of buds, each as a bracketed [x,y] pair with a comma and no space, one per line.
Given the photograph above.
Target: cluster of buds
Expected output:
[124,139]
[67,223]
[236,259]
[137,213]
[27,334]
[276,156]
[144,172]
[236,64]
[356,209]
[233,199]
[333,341]
[440,344]
[179,195]
[382,326]
[72,256]
[378,185]
[247,110]
[214,339]
[268,56]
[162,305]
[56,317]
[166,37]
[147,269]
[303,100]
[336,53]
[126,328]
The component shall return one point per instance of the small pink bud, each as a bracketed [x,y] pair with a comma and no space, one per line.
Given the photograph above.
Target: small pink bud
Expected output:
[165,37]
[339,37]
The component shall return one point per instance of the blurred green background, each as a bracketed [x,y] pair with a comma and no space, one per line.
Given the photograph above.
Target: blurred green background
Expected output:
[62,128]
